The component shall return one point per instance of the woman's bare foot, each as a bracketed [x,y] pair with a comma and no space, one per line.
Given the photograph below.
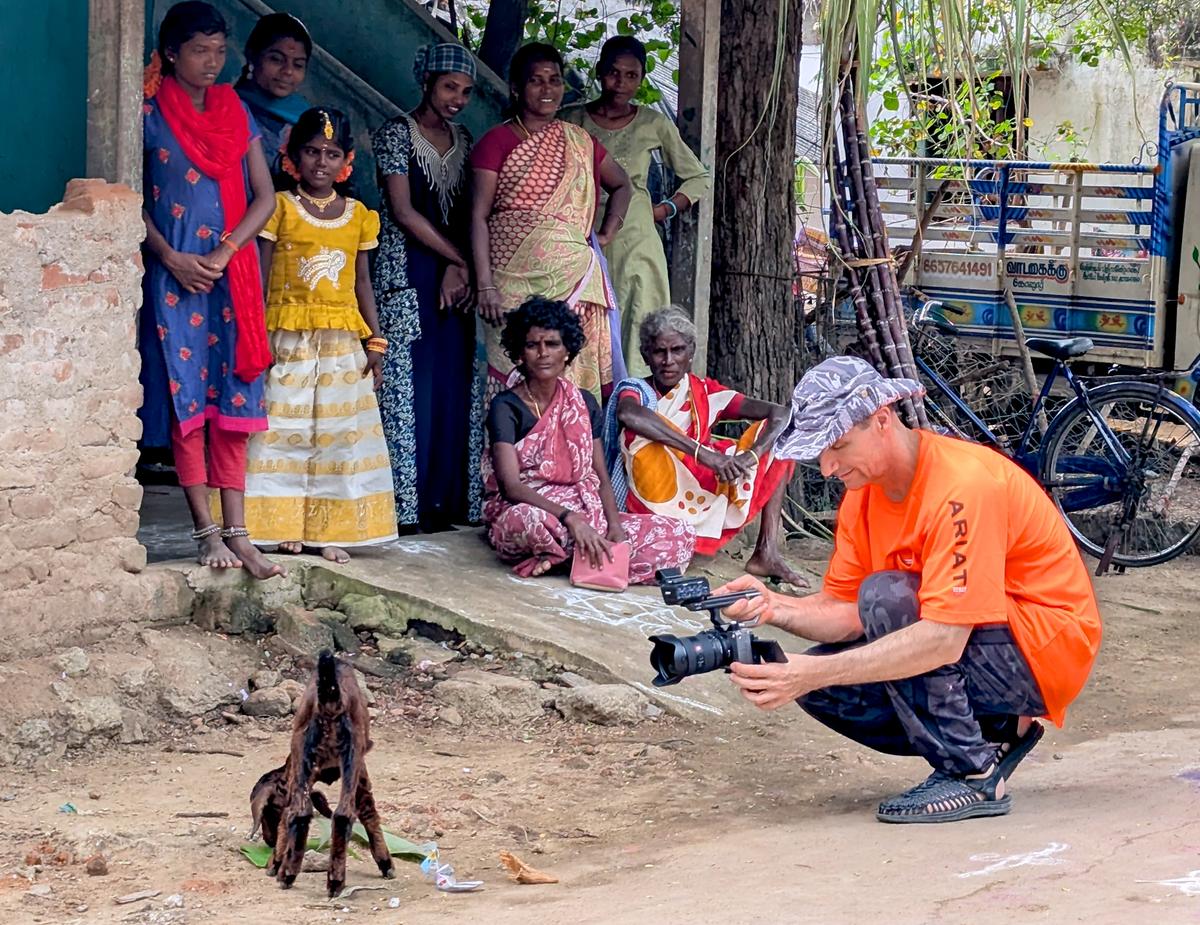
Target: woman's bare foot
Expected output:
[253,561]
[540,568]
[292,549]
[764,566]
[215,554]
[335,554]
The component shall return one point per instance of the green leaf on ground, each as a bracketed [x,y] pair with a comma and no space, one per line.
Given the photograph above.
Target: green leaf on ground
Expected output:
[259,853]
[397,847]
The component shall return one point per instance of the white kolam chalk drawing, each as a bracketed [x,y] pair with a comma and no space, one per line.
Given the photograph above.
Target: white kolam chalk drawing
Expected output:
[675,698]
[636,612]
[1044,857]
[414,547]
[1188,886]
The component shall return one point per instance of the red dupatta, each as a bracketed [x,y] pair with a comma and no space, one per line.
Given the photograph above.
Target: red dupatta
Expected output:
[216,141]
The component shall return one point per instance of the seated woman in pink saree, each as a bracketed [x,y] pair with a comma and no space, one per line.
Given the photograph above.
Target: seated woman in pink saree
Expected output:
[546,486]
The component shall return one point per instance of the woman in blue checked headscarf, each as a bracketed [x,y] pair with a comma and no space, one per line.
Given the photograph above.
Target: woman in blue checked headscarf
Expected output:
[432,396]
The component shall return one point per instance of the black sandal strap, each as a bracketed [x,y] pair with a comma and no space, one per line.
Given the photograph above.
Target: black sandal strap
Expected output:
[1012,753]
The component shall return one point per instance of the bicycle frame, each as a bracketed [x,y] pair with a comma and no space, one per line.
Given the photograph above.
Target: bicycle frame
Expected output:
[1029,460]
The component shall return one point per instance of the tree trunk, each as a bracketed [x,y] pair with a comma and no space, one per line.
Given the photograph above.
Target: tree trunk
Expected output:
[755,329]
[502,33]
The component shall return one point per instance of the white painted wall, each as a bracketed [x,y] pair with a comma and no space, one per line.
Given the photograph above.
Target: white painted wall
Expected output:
[1115,108]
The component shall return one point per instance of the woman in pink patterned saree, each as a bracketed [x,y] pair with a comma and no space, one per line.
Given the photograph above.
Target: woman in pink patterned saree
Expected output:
[534,200]
[546,487]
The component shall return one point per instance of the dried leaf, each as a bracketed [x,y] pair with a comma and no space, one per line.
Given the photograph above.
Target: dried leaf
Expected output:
[522,872]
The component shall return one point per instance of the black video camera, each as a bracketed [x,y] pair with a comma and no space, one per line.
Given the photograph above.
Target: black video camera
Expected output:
[675,659]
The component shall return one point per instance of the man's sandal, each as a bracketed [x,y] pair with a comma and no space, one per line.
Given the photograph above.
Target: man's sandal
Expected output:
[1012,753]
[947,798]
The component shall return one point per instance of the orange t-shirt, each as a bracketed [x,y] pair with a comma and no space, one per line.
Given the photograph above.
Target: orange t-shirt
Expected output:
[990,547]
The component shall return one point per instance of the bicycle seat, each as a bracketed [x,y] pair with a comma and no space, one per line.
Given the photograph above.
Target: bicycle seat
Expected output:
[1061,348]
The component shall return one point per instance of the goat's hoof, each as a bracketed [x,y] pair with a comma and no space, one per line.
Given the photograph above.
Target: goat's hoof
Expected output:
[285,882]
[388,872]
[336,887]
[271,870]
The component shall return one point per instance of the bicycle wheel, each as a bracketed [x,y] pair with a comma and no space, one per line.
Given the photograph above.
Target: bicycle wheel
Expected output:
[1145,498]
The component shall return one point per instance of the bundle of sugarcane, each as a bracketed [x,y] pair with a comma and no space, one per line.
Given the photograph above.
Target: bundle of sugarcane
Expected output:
[860,240]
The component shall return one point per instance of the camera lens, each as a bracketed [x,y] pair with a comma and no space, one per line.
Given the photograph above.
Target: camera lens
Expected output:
[675,659]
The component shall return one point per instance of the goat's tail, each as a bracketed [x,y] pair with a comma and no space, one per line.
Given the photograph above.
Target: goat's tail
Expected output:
[327,682]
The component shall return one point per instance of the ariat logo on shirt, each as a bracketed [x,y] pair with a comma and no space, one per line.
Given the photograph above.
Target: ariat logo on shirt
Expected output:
[960,547]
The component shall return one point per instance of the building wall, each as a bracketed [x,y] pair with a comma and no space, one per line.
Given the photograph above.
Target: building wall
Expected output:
[44,85]
[1114,109]
[70,287]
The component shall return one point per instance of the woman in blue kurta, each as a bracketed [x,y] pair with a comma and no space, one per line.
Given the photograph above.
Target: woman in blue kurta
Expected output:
[207,195]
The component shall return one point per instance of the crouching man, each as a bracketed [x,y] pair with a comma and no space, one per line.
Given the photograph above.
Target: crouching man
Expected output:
[955,609]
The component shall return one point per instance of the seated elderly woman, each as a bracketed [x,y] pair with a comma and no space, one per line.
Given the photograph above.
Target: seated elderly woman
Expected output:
[664,458]
[547,493]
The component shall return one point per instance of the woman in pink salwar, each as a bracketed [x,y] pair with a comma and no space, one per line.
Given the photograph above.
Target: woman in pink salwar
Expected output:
[546,486]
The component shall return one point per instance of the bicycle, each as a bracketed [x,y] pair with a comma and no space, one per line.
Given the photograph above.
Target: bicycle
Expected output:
[1116,458]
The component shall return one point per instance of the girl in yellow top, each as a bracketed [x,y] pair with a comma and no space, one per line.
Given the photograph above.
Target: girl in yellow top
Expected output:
[320,476]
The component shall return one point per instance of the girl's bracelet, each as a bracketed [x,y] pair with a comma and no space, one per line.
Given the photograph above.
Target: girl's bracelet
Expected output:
[489,289]
[670,203]
[227,240]
[377,345]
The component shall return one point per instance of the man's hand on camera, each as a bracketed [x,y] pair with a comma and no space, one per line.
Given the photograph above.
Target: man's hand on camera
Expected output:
[761,606]
[772,685]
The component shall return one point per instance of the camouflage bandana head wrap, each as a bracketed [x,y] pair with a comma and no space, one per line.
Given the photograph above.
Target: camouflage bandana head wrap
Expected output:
[832,397]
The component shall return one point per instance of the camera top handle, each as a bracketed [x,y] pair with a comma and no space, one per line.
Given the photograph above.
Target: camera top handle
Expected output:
[716,603]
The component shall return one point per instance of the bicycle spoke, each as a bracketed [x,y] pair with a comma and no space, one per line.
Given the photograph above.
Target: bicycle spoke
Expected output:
[1127,475]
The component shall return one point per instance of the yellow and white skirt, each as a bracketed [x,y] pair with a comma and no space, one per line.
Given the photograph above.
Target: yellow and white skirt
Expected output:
[320,475]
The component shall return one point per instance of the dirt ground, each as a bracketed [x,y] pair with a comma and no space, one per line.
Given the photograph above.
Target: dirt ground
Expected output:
[766,817]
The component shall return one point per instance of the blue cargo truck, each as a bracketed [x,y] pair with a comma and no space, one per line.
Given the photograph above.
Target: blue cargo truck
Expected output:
[1106,251]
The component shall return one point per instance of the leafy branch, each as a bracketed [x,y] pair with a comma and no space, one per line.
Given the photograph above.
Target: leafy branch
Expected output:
[578,34]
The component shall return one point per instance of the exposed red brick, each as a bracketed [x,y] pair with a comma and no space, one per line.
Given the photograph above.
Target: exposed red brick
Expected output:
[55,277]
[85,195]
[10,342]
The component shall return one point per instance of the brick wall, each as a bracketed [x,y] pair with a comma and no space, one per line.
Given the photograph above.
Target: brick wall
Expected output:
[70,287]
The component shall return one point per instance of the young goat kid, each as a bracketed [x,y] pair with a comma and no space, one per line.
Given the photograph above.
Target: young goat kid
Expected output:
[329,741]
